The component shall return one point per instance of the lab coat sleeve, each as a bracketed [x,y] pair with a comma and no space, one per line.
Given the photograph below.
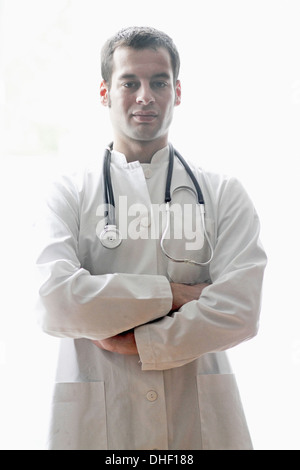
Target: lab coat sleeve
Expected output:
[72,302]
[227,312]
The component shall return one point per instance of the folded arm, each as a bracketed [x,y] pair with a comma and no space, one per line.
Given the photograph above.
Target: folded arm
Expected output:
[125,343]
[76,304]
[227,312]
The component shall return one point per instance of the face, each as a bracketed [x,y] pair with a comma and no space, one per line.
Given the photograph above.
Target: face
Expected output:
[142,95]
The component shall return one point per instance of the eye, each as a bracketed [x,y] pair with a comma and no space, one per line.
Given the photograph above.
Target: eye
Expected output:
[159,84]
[130,85]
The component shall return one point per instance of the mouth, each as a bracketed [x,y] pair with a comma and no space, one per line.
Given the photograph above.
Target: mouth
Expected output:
[144,116]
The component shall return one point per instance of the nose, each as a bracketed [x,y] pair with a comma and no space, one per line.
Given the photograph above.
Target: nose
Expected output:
[145,96]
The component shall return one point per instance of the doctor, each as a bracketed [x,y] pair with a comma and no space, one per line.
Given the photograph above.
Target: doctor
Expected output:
[143,360]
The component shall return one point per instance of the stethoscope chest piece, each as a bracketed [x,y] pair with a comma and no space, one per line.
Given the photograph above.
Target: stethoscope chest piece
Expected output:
[110,237]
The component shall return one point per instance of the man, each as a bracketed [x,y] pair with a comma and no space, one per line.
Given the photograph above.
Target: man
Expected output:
[142,362]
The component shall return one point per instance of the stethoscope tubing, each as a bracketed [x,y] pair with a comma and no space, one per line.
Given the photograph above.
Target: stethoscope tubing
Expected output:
[111,237]
[108,189]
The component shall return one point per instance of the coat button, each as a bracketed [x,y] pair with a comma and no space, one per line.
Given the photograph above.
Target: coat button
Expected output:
[147,173]
[152,395]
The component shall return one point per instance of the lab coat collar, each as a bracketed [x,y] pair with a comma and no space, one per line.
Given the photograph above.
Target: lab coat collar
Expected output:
[119,158]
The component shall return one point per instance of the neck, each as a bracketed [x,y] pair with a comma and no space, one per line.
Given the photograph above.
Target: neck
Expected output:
[138,150]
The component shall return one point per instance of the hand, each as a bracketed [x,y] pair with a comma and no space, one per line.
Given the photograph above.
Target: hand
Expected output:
[182,293]
[123,343]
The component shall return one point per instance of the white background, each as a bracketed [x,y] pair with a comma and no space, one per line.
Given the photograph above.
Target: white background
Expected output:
[240,115]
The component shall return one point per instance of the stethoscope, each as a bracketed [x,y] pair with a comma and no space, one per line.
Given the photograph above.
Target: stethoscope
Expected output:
[111,237]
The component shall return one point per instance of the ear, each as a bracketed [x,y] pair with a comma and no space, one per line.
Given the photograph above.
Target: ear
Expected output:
[104,93]
[178,93]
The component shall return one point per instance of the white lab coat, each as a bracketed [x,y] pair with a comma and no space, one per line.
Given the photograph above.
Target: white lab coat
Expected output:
[180,392]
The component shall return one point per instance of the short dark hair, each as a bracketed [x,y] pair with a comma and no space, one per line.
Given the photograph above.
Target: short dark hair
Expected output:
[138,37]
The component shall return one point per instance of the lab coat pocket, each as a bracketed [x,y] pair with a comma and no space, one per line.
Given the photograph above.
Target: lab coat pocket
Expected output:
[223,424]
[78,417]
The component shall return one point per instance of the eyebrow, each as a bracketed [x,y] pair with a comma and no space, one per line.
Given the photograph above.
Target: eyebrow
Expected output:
[162,75]
[130,76]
